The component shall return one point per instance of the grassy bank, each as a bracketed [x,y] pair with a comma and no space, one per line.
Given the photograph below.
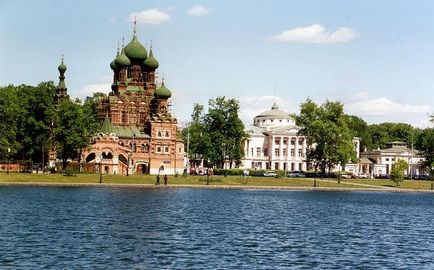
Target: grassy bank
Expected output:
[214,181]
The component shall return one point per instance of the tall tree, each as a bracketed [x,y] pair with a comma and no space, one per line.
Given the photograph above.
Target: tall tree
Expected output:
[217,135]
[225,130]
[425,144]
[74,126]
[327,132]
[9,115]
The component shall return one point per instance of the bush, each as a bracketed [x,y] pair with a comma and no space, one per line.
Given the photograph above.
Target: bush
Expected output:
[69,171]
[228,171]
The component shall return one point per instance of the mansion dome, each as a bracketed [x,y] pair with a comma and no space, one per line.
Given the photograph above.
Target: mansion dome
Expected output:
[273,118]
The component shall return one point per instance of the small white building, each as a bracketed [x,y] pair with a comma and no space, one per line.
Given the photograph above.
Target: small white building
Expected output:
[379,162]
[274,143]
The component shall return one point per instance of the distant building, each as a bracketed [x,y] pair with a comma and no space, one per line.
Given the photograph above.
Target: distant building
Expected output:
[379,162]
[274,143]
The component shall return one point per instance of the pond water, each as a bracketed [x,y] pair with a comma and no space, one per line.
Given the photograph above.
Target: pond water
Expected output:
[129,228]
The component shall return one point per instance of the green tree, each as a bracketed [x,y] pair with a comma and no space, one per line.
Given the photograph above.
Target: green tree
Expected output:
[397,173]
[195,137]
[359,128]
[75,124]
[35,120]
[9,112]
[225,130]
[379,135]
[216,136]
[329,137]
[425,144]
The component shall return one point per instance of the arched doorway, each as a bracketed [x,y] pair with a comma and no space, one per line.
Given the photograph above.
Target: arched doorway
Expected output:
[142,168]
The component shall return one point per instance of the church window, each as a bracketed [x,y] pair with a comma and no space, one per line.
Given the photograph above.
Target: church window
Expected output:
[159,149]
[166,149]
[124,118]
[167,134]
[159,134]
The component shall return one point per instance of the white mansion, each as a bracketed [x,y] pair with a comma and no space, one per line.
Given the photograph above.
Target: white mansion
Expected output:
[274,143]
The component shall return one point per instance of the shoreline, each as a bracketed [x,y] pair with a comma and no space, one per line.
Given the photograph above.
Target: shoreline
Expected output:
[246,187]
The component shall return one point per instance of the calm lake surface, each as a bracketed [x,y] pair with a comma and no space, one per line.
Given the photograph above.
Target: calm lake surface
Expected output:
[129,228]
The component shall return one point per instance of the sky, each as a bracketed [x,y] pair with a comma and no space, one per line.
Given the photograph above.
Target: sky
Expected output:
[376,57]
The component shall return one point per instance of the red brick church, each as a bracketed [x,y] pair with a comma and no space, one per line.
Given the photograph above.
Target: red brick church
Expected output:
[139,133]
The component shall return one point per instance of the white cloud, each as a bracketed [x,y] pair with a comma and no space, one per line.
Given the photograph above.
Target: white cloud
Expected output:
[383,109]
[103,85]
[315,33]
[198,11]
[150,16]
[251,106]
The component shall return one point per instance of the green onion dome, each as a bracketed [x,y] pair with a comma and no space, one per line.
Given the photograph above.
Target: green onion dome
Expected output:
[113,63]
[62,67]
[135,51]
[122,60]
[162,92]
[151,62]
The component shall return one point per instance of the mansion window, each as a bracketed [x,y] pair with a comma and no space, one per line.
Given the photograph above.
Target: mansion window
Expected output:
[276,152]
[277,141]
[292,152]
[292,142]
[299,152]
[258,151]
[285,152]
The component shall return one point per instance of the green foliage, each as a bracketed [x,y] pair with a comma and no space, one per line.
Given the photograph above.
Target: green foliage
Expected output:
[9,110]
[329,137]
[75,124]
[70,171]
[379,135]
[425,144]
[217,135]
[397,173]
[218,171]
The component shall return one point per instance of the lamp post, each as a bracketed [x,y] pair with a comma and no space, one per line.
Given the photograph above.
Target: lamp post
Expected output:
[100,169]
[432,176]
[314,179]
[7,161]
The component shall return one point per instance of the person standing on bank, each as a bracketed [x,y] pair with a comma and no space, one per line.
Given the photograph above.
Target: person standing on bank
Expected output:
[158,180]
[165,179]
